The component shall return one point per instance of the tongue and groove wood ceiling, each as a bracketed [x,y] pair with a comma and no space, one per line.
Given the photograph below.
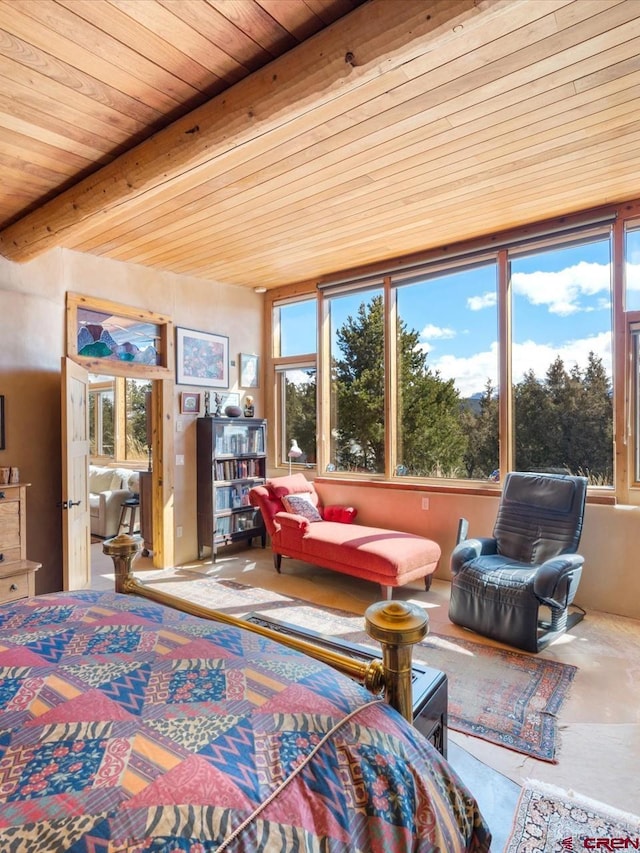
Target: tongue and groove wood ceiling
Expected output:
[265,142]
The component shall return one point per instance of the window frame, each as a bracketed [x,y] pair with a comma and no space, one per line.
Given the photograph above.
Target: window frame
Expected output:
[561,229]
[116,386]
[276,366]
[282,447]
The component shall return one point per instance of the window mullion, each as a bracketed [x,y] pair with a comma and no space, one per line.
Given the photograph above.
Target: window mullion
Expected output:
[506,430]
[390,377]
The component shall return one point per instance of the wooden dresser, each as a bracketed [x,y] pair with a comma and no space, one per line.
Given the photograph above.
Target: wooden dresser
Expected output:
[17,574]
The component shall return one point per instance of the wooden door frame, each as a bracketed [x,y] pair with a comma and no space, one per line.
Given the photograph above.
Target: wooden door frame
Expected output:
[162,486]
[162,377]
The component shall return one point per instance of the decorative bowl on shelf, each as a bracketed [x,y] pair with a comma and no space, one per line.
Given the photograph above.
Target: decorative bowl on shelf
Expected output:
[233,411]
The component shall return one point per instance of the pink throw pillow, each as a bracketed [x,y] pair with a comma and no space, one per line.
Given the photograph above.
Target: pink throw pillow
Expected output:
[342,514]
[292,485]
[301,505]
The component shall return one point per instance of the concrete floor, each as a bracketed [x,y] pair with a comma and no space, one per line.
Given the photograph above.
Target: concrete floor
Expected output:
[599,724]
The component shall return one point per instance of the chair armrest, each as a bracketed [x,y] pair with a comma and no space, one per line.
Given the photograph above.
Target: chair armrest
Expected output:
[290,519]
[109,509]
[115,496]
[553,578]
[471,549]
[463,531]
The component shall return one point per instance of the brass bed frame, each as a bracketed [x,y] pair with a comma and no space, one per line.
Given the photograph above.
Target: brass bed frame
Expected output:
[396,625]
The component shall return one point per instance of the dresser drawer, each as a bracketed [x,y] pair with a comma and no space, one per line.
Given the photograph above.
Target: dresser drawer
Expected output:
[9,524]
[9,555]
[14,587]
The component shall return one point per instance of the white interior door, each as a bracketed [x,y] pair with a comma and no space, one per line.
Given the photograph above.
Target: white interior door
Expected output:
[75,477]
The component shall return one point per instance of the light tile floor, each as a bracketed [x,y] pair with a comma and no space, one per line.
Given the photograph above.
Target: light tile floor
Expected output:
[599,723]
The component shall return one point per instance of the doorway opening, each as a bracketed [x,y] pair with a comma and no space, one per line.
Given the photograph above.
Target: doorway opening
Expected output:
[120,458]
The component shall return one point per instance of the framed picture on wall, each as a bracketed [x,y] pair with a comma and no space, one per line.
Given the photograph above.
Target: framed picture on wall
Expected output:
[189,403]
[202,358]
[249,365]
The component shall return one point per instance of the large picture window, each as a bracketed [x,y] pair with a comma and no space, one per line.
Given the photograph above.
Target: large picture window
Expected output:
[562,364]
[357,382]
[517,351]
[447,377]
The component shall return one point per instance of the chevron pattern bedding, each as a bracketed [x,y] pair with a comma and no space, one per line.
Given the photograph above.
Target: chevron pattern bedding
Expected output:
[129,727]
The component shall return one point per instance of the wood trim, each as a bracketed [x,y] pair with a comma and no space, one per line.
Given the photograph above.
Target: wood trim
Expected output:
[323,385]
[506,415]
[120,417]
[162,410]
[162,483]
[390,376]
[448,487]
[623,449]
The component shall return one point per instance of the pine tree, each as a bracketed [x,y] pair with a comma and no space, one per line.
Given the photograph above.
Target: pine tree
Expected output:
[481,458]
[431,439]
[301,420]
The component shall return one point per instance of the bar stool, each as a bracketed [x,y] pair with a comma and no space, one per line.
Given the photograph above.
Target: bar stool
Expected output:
[131,505]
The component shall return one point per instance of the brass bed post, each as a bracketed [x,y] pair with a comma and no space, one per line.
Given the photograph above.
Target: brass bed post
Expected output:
[393,628]
[397,626]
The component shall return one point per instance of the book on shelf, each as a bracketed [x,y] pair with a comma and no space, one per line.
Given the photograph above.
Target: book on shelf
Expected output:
[223,525]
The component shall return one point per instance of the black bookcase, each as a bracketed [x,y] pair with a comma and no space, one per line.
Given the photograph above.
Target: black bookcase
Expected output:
[230,459]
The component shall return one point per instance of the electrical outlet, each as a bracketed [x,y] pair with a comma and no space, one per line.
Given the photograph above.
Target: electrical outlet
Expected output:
[179,425]
[425,503]
[178,532]
[179,459]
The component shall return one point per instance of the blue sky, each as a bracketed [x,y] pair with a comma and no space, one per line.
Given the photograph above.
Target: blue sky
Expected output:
[561,306]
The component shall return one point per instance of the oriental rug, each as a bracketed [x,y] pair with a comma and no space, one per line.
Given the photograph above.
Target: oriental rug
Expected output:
[549,819]
[504,697]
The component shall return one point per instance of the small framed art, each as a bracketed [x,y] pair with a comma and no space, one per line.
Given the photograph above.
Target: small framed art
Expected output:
[189,403]
[249,365]
[202,358]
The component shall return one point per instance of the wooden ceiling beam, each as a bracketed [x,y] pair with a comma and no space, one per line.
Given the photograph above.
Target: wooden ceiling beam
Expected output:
[356,50]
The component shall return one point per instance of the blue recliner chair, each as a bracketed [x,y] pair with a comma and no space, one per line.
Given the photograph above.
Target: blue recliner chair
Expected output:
[500,583]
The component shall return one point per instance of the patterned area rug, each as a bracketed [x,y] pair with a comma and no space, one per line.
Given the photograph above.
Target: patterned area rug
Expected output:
[504,697]
[549,819]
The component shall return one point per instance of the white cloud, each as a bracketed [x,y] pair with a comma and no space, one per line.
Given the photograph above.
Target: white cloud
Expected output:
[470,374]
[561,290]
[441,332]
[299,377]
[632,274]
[487,300]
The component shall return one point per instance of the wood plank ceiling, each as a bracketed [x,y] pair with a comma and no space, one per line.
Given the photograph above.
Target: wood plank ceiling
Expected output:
[264,142]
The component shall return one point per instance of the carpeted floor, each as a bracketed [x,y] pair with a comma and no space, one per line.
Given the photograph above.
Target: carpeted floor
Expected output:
[502,696]
[549,819]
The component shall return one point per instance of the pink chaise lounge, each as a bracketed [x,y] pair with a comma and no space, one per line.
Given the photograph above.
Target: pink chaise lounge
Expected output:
[300,527]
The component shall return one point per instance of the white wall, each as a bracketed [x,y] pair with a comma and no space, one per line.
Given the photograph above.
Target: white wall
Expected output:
[32,343]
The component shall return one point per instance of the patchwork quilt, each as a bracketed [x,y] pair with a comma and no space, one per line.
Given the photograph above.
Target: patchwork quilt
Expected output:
[127,726]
